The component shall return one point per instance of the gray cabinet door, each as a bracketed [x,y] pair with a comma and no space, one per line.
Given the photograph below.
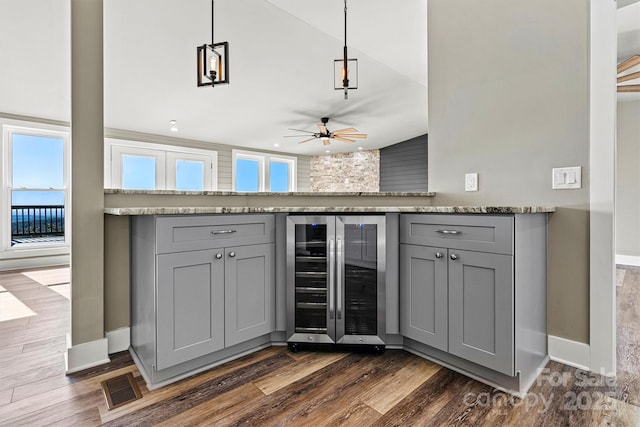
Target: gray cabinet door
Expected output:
[190,312]
[423,295]
[249,292]
[481,316]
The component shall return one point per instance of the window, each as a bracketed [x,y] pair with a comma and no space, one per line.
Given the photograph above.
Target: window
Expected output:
[35,196]
[133,165]
[253,172]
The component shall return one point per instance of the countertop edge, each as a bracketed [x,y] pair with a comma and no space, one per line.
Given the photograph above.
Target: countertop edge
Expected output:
[132,211]
[262,194]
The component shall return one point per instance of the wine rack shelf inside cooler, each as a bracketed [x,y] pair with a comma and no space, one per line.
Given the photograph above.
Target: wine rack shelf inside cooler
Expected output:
[311,286]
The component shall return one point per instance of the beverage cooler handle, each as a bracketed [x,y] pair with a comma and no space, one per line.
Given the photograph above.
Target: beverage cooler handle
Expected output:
[340,274]
[331,278]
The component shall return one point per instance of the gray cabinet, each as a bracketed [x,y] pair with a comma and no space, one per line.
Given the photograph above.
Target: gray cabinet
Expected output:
[249,274]
[460,302]
[191,306]
[481,309]
[423,293]
[202,290]
[473,289]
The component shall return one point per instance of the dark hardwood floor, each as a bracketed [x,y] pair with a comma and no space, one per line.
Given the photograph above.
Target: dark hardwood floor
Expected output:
[275,387]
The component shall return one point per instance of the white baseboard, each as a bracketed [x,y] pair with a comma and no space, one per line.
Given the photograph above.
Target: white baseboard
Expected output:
[569,352]
[86,355]
[628,260]
[118,340]
[9,264]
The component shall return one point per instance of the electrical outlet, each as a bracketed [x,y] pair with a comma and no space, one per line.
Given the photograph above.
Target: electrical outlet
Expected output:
[471,182]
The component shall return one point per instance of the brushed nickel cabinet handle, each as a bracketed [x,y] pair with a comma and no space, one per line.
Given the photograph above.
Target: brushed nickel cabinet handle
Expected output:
[232,254]
[454,257]
[215,232]
[218,256]
[439,255]
[448,231]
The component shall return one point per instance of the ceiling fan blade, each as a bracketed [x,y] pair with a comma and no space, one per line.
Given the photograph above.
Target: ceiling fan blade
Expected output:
[307,140]
[628,77]
[628,63]
[629,88]
[354,135]
[339,138]
[300,130]
[323,128]
[347,130]
[295,136]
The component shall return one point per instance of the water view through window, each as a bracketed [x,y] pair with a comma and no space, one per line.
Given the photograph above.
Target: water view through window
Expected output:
[37,189]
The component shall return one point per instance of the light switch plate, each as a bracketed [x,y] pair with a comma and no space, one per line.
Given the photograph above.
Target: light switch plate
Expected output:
[566,178]
[471,182]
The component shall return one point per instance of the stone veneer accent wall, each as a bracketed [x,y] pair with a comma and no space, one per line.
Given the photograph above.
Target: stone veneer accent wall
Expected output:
[358,171]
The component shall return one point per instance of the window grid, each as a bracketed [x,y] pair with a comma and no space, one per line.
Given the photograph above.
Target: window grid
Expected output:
[168,174]
[35,188]
[272,174]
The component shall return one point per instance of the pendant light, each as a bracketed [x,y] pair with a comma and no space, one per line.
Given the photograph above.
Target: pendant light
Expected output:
[213,60]
[345,70]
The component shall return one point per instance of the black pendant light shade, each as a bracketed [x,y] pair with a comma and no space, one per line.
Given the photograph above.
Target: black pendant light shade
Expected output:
[213,61]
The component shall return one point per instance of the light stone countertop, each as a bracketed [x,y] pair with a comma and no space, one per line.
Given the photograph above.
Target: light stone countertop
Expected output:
[328,209]
[261,194]
[169,202]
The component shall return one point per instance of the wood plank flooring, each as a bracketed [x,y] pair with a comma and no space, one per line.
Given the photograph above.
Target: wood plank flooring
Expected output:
[275,387]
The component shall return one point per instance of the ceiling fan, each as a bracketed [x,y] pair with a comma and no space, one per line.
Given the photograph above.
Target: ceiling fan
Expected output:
[624,66]
[345,135]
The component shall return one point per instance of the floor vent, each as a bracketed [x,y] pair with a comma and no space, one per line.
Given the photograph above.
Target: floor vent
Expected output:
[120,390]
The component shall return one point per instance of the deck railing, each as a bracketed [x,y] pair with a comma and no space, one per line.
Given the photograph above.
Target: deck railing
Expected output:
[37,221]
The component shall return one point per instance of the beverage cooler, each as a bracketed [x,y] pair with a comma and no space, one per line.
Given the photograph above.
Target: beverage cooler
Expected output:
[336,280]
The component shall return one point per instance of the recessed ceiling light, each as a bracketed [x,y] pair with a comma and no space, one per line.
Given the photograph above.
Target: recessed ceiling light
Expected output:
[327,151]
[276,145]
[359,148]
[173,126]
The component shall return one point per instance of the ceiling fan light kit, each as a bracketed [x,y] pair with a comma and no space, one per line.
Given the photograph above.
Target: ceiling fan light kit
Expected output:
[213,60]
[345,70]
[348,135]
[633,77]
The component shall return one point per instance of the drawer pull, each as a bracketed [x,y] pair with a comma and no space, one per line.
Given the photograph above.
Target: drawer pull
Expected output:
[449,231]
[223,232]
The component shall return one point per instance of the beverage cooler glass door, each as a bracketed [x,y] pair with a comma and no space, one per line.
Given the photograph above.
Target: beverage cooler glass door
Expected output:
[311,271]
[360,279]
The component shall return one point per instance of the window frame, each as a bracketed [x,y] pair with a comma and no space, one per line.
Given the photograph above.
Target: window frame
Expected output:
[15,127]
[171,174]
[264,168]
[166,158]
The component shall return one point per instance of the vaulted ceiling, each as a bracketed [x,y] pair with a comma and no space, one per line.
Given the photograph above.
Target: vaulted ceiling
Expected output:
[281,52]
[281,70]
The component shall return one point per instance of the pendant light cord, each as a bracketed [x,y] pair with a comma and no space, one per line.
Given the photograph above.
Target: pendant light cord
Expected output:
[212,21]
[345,78]
[345,23]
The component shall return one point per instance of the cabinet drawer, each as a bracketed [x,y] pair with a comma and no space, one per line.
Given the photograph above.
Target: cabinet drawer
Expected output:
[188,233]
[471,232]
